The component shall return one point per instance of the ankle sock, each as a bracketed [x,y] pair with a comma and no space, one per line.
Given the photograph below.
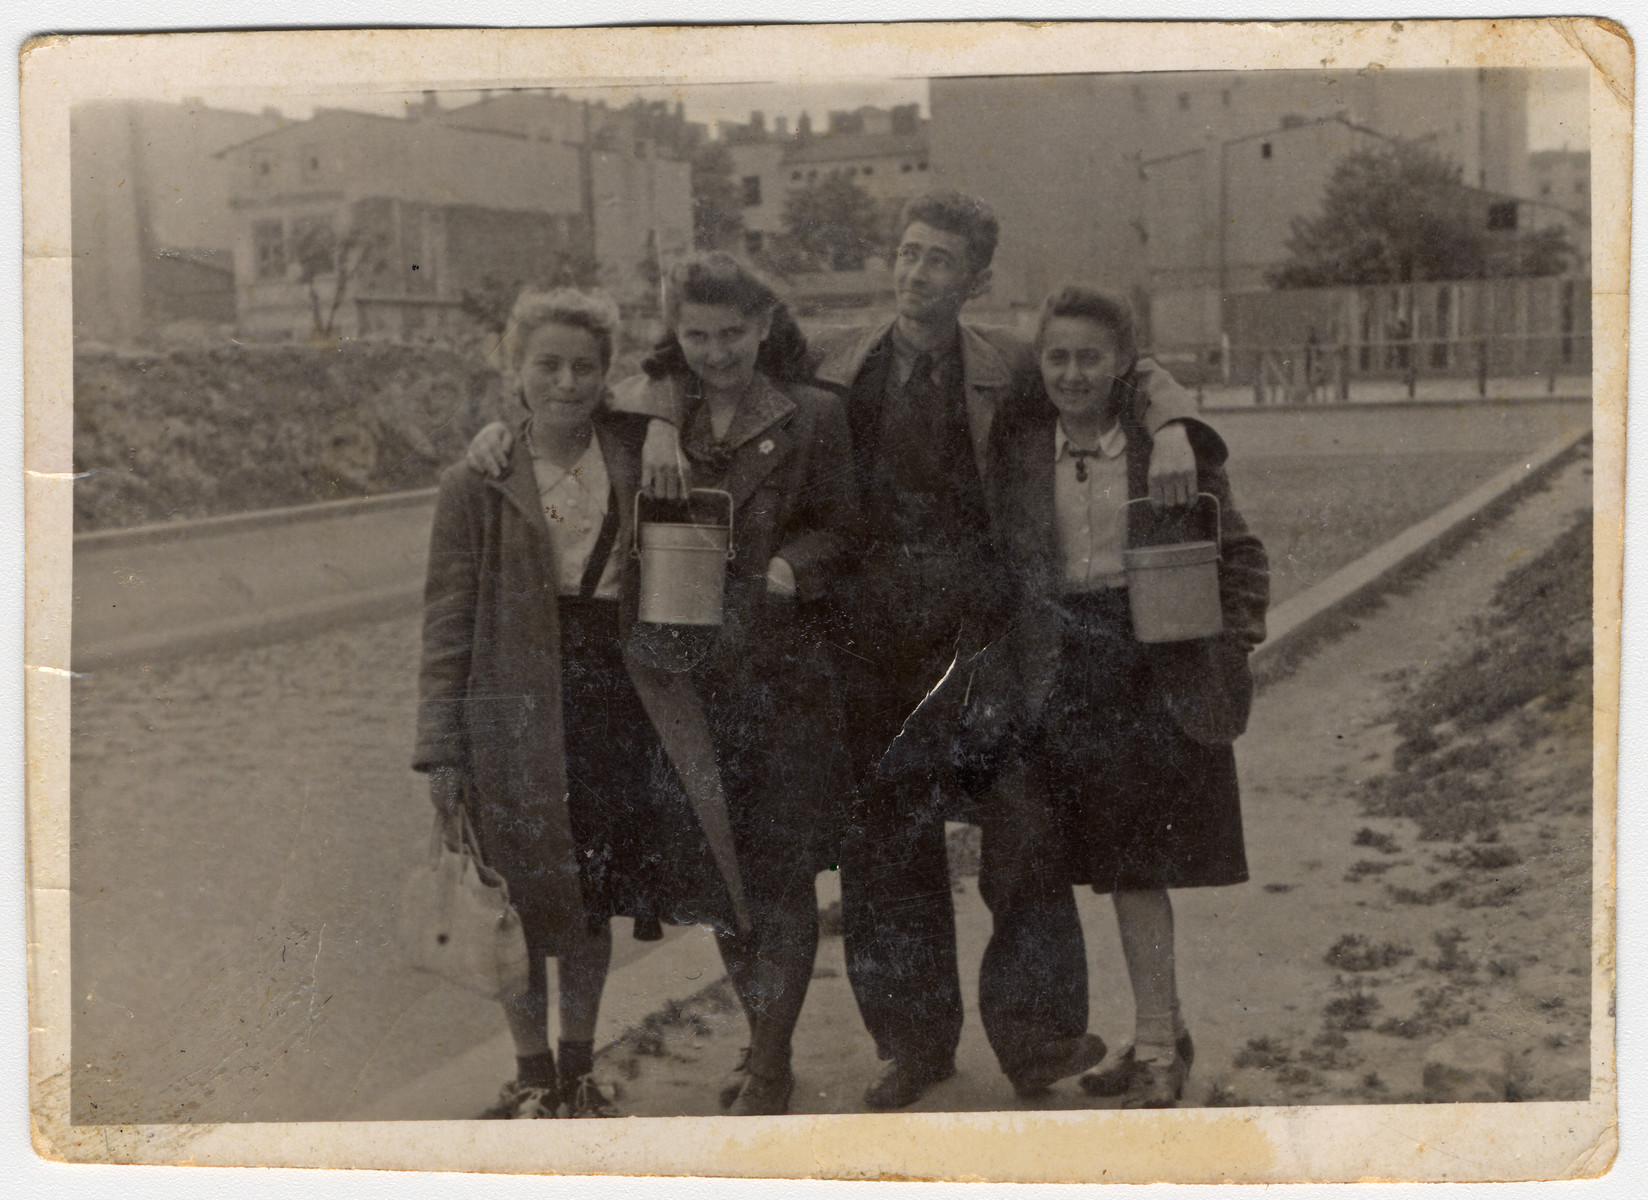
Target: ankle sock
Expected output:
[536,1070]
[577,1059]
[1155,1029]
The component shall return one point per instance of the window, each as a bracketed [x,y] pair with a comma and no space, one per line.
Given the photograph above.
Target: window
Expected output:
[812,175]
[1502,215]
[269,249]
[752,241]
[1224,97]
[1545,189]
[905,168]
[921,166]
[795,176]
[868,170]
[309,156]
[752,190]
[263,166]
[1184,101]
[1264,149]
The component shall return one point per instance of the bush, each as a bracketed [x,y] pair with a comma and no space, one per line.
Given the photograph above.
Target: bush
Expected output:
[204,432]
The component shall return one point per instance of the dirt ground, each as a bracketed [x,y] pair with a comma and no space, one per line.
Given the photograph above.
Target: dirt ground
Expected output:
[1363,941]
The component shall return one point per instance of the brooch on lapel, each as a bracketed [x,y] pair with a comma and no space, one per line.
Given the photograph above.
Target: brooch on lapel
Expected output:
[766,447]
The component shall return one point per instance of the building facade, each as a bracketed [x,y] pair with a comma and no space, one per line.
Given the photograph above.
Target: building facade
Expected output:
[151,226]
[1179,187]
[413,213]
[883,151]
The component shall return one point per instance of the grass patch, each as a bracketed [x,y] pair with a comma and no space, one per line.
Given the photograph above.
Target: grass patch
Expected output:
[1263,1053]
[1382,842]
[1529,662]
[1350,1013]
[1362,868]
[1353,952]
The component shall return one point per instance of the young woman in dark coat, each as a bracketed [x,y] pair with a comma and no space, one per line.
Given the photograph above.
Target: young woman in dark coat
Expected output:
[1129,743]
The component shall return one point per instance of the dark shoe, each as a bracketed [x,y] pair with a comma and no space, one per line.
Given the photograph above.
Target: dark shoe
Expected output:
[1115,1079]
[584,1098]
[733,1081]
[518,1101]
[762,1096]
[1156,1082]
[903,1082]
[1055,1061]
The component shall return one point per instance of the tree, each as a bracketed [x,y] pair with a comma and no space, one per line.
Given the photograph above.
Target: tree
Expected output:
[327,264]
[1400,213]
[716,213]
[834,224]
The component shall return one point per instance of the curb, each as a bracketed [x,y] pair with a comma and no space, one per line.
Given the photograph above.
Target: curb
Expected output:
[1296,625]
[232,523]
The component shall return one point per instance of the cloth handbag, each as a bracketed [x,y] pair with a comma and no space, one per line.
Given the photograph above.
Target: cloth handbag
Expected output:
[456,920]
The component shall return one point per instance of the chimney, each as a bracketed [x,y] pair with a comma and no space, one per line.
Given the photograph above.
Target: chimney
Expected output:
[781,127]
[804,125]
[758,121]
[430,102]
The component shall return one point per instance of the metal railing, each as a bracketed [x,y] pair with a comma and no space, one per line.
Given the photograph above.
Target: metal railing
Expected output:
[1326,372]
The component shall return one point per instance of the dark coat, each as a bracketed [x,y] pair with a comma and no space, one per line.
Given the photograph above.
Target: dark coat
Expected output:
[774,700]
[1205,683]
[490,680]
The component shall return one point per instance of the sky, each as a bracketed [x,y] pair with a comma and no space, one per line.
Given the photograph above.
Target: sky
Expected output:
[1557,101]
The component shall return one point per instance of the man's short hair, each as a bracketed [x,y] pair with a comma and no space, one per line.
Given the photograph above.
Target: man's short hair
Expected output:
[955,213]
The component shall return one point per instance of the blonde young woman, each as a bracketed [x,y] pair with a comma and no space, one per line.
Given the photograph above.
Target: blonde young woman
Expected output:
[584,775]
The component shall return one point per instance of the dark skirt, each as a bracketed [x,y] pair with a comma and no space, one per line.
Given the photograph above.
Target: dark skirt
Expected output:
[641,852]
[1140,804]
[775,716]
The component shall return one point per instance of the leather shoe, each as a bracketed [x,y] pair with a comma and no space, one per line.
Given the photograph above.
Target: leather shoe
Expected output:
[733,1081]
[903,1082]
[1156,1083]
[1055,1061]
[1116,1079]
[764,1096]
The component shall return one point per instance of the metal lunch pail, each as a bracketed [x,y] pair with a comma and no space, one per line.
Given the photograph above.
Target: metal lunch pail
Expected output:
[1173,590]
[683,567]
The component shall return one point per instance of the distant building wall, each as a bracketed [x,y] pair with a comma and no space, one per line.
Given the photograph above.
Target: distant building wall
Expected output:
[151,225]
[1056,157]
[449,204]
[1061,159]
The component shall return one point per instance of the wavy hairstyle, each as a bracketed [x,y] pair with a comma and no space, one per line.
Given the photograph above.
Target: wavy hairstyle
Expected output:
[1102,308]
[592,311]
[716,277]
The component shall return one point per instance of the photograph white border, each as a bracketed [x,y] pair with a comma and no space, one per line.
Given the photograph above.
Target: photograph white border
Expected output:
[1202,1144]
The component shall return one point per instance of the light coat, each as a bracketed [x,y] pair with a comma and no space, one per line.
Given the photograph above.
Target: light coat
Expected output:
[490,680]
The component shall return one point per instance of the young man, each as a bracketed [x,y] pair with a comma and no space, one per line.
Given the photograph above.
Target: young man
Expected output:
[923,391]
[927,596]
